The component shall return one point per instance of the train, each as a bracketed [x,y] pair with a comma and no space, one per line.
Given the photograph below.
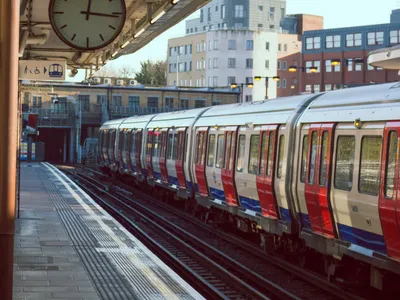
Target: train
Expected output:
[314,176]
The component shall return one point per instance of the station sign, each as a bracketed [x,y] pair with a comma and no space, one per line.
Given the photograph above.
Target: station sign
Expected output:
[42,70]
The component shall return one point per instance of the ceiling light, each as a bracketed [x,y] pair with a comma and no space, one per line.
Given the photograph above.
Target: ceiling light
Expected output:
[292,69]
[138,33]
[152,21]
[173,2]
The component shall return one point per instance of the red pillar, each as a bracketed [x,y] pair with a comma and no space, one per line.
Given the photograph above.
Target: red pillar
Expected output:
[9,40]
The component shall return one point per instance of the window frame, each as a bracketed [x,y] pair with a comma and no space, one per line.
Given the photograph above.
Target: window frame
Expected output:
[257,156]
[213,150]
[238,152]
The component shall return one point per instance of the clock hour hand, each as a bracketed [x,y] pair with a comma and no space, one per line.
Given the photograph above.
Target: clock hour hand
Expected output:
[98,14]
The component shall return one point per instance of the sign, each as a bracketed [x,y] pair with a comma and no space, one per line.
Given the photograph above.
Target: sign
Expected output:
[24,151]
[42,69]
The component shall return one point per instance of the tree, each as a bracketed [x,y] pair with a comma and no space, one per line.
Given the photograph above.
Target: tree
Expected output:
[152,73]
[125,72]
[106,71]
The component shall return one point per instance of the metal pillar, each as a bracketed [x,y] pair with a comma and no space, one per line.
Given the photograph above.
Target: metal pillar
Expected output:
[9,40]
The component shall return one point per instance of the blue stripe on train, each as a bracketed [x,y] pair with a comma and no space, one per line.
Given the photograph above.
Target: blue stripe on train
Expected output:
[189,185]
[305,220]
[362,238]
[173,180]
[285,214]
[157,175]
[250,204]
[217,194]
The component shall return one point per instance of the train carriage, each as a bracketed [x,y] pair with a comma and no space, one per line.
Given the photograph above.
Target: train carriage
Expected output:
[109,132]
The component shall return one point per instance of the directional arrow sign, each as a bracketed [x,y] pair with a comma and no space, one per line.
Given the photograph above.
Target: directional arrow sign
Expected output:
[42,70]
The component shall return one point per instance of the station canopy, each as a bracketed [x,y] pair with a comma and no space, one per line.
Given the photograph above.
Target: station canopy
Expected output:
[387,58]
[39,41]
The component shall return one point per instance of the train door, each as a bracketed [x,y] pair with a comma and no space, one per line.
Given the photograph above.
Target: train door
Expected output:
[319,178]
[215,162]
[111,147]
[149,153]
[389,199]
[156,154]
[121,137]
[100,146]
[163,155]
[131,151]
[126,151]
[200,157]
[266,171]
[172,157]
[105,147]
[138,150]
[227,173]
[180,174]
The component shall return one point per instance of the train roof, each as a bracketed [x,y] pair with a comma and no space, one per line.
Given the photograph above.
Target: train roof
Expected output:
[369,103]
[138,122]
[273,111]
[111,124]
[183,118]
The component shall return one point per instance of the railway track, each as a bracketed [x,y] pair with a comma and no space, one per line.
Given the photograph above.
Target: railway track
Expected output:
[210,271]
[299,282]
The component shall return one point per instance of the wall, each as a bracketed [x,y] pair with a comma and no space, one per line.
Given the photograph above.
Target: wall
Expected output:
[260,18]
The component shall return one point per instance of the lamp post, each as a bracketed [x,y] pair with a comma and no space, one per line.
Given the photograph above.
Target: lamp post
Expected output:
[275,78]
[241,85]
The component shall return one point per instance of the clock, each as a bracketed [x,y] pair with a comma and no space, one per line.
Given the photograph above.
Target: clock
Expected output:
[87,24]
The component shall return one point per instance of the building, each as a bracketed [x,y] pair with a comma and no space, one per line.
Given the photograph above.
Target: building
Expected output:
[395,16]
[117,81]
[350,47]
[252,15]
[67,114]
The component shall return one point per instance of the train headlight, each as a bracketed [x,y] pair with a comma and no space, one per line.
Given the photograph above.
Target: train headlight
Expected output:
[357,123]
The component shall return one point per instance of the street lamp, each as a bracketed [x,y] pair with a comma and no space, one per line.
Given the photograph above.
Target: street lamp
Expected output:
[274,78]
[234,85]
[294,69]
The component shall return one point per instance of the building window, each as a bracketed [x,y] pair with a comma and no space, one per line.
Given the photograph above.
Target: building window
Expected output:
[169,102]
[329,67]
[358,66]
[313,43]
[308,88]
[284,83]
[215,81]
[249,63]
[316,88]
[285,47]
[272,13]
[216,102]
[101,99]
[315,63]
[249,80]
[284,65]
[201,16]
[222,11]
[224,26]
[350,65]
[279,65]
[267,64]
[267,46]
[328,87]
[249,98]
[215,63]
[260,26]
[37,102]
[84,101]
[353,40]
[152,102]
[249,45]
[231,44]
[185,103]
[231,63]
[279,47]
[231,80]
[133,102]
[209,46]
[370,68]
[215,44]
[209,14]
[116,100]
[375,38]
[333,41]
[395,36]
[239,11]
[260,7]
[278,84]
[199,103]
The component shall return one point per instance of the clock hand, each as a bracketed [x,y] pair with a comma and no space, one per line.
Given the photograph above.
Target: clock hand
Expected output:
[88,10]
[98,14]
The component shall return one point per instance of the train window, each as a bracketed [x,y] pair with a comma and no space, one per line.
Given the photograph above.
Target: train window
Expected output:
[220,151]
[240,155]
[175,152]
[211,148]
[280,155]
[313,157]
[324,160]
[270,162]
[391,164]
[254,151]
[263,154]
[203,148]
[198,153]
[228,143]
[345,150]
[170,144]
[371,147]
[304,159]
[133,143]
[157,144]
[233,145]
[149,143]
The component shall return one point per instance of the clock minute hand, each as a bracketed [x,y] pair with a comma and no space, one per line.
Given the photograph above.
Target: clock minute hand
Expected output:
[98,14]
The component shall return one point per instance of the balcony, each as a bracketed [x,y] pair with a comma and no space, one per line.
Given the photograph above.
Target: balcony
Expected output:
[57,116]
[91,114]
[128,111]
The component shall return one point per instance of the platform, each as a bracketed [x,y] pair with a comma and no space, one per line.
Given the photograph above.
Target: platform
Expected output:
[68,247]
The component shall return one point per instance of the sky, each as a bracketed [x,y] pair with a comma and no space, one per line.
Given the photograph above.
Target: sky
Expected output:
[336,13]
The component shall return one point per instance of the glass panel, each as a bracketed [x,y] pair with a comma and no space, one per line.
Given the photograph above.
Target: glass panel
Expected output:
[304,159]
[169,148]
[254,150]
[324,159]
[220,150]
[203,147]
[280,155]
[270,161]
[211,148]
[391,165]
[370,165]
[228,144]
[175,152]
[198,154]
[240,155]
[149,143]
[313,157]
[345,162]
[264,144]
[233,145]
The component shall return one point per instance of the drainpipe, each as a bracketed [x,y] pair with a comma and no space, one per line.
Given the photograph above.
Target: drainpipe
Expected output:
[31,39]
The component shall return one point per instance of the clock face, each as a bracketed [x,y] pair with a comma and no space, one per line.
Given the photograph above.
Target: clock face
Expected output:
[87,24]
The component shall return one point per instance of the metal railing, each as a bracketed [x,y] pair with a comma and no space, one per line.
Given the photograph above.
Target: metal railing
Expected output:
[126,111]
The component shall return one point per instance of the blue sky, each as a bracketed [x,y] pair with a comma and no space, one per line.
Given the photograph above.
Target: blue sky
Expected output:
[336,13]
